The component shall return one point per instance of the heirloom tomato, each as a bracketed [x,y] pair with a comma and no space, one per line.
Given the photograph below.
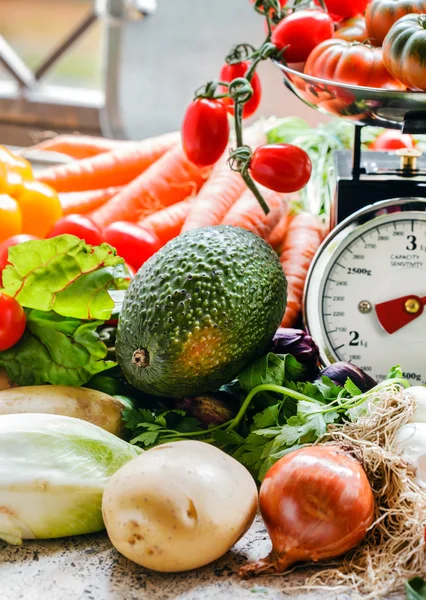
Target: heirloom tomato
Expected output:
[404,51]
[350,63]
[382,14]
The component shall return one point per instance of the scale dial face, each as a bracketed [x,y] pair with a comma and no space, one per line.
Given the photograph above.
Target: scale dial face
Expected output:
[364,302]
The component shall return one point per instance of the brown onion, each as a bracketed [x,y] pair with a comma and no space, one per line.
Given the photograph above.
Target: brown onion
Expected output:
[317,503]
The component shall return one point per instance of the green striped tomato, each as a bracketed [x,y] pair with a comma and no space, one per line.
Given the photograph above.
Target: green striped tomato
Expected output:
[382,14]
[404,51]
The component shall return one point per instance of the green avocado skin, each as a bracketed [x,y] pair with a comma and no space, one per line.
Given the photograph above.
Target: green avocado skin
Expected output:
[200,310]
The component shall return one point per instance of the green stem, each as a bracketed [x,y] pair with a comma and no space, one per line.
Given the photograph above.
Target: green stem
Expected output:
[238,119]
[266,387]
[253,188]
[269,25]
[202,432]
[252,69]
[358,400]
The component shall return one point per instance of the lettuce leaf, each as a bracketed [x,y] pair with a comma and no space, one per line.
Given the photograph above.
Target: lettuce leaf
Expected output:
[57,350]
[54,470]
[65,275]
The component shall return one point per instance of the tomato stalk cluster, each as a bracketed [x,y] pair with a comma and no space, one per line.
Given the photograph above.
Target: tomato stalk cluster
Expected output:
[205,133]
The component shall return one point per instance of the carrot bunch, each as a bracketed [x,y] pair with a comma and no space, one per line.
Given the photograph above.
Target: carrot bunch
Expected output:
[149,191]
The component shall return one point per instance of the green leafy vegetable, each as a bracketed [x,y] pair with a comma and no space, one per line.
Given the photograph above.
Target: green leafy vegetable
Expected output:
[159,426]
[278,413]
[271,369]
[352,389]
[56,350]
[53,473]
[395,373]
[415,589]
[65,275]
[274,432]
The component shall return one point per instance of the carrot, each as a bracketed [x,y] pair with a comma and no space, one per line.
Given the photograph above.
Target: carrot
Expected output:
[168,181]
[82,146]
[304,237]
[276,237]
[110,168]
[248,214]
[215,199]
[223,188]
[82,203]
[167,223]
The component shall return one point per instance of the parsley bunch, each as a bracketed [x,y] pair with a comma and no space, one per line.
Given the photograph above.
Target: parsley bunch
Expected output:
[278,412]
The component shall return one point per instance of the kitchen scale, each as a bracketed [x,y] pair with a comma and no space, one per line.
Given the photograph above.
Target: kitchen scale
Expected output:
[365,293]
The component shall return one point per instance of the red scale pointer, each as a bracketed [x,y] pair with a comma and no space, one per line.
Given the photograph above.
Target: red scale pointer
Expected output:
[396,314]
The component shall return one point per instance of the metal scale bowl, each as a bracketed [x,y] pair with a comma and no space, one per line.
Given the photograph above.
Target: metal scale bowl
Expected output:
[365,292]
[377,176]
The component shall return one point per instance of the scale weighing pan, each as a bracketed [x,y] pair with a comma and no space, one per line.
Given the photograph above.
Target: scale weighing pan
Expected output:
[360,105]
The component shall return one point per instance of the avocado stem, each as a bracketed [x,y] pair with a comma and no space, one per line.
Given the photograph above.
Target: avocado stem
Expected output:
[140,358]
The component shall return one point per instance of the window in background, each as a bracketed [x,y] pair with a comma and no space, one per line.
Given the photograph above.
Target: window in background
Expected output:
[35,27]
[163,57]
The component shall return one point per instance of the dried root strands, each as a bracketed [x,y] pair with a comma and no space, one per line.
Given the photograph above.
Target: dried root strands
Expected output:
[394,549]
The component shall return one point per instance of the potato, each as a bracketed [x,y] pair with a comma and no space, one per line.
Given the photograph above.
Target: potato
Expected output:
[5,382]
[81,403]
[179,506]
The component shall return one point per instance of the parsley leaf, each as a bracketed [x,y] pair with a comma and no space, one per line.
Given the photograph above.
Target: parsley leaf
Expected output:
[352,389]
[395,373]
[153,427]
[264,446]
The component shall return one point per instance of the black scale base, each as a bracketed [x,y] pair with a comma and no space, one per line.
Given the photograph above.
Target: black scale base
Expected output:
[365,178]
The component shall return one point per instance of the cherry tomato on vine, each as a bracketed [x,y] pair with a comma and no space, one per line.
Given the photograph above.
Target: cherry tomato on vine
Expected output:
[12,322]
[12,241]
[205,131]
[40,207]
[133,243]
[281,167]
[301,32]
[342,9]
[80,226]
[230,72]
[392,140]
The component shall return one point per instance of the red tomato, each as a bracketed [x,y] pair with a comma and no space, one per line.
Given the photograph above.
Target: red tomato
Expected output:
[301,32]
[205,131]
[132,243]
[281,167]
[80,226]
[342,9]
[392,140]
[230,72]
[354,64]
[12,322]
[12,241]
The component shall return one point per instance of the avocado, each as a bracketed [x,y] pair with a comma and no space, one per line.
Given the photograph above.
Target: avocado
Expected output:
[199,311]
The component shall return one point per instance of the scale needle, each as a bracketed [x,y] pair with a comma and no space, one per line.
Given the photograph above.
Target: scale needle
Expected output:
[395,314]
